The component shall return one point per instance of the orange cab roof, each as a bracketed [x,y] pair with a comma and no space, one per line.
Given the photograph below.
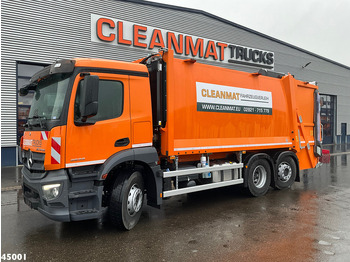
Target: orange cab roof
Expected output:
[110,64]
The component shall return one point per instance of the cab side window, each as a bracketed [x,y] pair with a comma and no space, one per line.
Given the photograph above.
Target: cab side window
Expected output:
[110,100]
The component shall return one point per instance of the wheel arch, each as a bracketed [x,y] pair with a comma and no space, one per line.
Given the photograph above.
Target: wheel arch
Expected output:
[140,158]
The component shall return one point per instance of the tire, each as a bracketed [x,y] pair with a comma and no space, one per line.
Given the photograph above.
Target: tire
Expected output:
[259,177]
[286,172]
[126,200]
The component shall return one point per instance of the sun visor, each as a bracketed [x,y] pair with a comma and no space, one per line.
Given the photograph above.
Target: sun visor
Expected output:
[59,67]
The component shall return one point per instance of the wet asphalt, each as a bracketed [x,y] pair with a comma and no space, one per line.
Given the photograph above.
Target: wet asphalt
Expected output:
[308,222]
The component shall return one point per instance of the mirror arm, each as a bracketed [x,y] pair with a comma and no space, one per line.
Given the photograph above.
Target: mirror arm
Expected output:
[80,122]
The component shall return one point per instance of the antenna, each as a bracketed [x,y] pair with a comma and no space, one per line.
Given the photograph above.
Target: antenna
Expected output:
[306,65]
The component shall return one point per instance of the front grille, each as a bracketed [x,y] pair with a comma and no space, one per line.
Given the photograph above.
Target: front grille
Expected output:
[34,161]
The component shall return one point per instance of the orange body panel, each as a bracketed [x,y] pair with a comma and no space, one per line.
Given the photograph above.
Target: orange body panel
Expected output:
[141,112]
[190,131]
[109,64]
[93,144]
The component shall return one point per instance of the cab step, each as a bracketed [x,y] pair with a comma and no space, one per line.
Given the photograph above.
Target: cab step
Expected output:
[82,194]
[84,214]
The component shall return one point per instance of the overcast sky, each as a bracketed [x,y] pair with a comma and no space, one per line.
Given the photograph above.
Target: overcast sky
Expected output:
[319,26]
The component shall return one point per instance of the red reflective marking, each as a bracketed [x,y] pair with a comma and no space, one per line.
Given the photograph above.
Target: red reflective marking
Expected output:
[56,146]
[53,161]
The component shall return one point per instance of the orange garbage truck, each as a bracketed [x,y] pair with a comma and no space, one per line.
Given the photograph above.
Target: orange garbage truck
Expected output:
[105,137]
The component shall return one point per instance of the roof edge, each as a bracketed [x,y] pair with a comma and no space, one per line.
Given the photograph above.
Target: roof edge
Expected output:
[198,11]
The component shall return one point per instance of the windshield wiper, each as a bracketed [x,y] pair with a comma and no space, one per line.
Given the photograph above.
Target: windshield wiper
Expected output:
[41,121]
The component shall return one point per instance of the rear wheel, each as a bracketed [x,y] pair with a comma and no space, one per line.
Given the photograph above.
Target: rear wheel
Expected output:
[285,173]
[258,177]
[126,200]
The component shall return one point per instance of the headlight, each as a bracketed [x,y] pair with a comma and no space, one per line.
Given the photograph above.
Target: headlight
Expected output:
[51,191]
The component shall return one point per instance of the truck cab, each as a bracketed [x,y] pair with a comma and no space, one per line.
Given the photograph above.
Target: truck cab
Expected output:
[87,117]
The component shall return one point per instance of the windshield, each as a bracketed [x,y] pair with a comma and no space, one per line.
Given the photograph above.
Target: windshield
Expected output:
[49,97]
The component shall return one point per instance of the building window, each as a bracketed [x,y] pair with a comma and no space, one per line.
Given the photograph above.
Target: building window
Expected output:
[328,118]
[24,72]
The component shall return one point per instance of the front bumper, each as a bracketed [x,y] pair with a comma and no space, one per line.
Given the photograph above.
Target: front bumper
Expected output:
[56,209]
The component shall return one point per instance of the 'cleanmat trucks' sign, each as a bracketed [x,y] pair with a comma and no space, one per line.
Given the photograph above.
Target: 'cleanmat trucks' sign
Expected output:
[123,33]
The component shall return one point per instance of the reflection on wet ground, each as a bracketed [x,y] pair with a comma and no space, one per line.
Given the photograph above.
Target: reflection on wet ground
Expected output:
[308,222]
[334,149]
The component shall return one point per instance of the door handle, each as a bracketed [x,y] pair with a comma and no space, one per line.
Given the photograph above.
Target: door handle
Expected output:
[122,142]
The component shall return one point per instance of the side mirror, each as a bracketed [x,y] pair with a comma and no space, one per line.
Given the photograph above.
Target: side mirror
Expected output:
[23,91]
[89,97]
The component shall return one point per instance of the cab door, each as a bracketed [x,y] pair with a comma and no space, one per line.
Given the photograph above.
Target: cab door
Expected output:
[93,144]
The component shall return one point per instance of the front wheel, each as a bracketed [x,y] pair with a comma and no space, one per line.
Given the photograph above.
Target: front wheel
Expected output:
[258,177]
[126,200]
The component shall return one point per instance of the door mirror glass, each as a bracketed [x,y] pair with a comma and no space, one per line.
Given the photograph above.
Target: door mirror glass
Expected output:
[110,102]
[89,97]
